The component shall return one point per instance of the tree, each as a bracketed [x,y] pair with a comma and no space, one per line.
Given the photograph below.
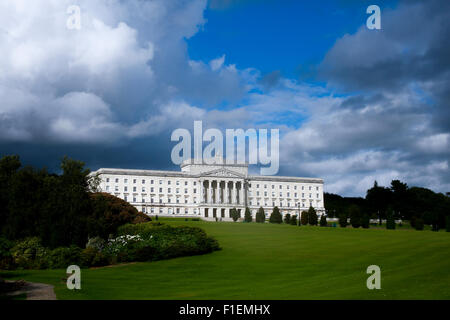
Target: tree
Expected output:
[304,218]
[323,221]
[276,217]
[260,215]
[390,222]
[355,216]
[365,221]
[234,214]
[294,220]
[312,216]
[343,220]
[447,223]
[419,224]
[287,218]
[248,215]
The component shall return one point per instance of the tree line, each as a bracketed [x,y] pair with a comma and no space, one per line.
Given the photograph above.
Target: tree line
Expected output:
[61,209]
[398,201]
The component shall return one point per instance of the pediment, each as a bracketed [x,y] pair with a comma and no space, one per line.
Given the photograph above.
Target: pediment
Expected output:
[222,172]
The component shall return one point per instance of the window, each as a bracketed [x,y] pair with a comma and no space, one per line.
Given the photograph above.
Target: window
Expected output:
[281,187]
[169,190]
[310,188]
[152,200]
[151,181]
[125,189]
[143,181]
[152,189]
[169,182]
[125,198]
[134,181]
[107,188]
[195,183]
[160,182]
[185,190]
[195,190]
[160,190]
[273,186]
[134,199]
[265,186]
[116,188]
[265,193]
[143,209]
[317,196]
[295,195]
[178,190]
[117,180]
[317,188]
[125,181]
[143,200]
[107,179]
[310,195]
[134,189]
[288,194]
[143,189]
[185,183]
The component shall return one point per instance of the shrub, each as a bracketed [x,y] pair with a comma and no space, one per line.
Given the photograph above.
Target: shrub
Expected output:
[312,216]
[294,220]
[63,257]
[96,243]
[304,218]
[162,242]
[91,257]
[248,215]
[30,254]
[141,218]
[365,221]
[287,218]
[390,221]
[6,259]
[447,223]
[276,217]
[343,220]
[419,224]
[323,221]
[260,215]
[234,214]
[355,216]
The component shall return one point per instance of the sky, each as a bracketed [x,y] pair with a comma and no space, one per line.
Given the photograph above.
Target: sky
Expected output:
[353,105]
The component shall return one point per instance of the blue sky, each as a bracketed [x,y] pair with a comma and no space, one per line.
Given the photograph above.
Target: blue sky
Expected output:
[352,105]
[289,36]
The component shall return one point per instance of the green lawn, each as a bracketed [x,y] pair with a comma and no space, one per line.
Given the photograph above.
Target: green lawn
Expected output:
[264,261]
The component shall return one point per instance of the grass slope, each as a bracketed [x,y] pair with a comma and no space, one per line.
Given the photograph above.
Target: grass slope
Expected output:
[263,261]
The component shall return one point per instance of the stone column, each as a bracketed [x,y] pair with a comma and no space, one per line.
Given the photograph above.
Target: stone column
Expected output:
[234,194]
[217,191]
[200,191]
[241,194]
[209,191]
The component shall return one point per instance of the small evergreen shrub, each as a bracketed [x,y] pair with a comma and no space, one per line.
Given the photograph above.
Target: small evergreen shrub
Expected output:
[304,218]
[287,218]
[447,223]
[276,217]
[365,222]
[390,221]
[294,220]
[312,216]
[343,220]
[260,215]
[419,224]
[323,221]
[248,215]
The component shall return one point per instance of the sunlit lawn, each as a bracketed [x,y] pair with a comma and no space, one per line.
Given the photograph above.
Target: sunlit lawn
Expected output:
[265,261]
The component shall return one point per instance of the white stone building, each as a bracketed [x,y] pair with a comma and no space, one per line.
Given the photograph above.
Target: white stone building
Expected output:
[211,190]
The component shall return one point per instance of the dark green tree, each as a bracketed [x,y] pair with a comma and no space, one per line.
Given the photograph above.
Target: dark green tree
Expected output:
[323,221]
[276,217]
[287,218]
[390,220]
[234,214]
[312,216]
[304,218]
[260,215]
[355,216]
[343,220]
[294,220]
[447,223]
[248,215]
[365,221]
[419,225]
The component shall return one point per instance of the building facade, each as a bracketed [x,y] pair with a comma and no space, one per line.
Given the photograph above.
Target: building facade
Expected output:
[211,190]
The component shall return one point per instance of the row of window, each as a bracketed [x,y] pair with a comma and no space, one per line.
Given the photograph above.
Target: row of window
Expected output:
[281,194]
[143,181]
[152,189]
[281,187]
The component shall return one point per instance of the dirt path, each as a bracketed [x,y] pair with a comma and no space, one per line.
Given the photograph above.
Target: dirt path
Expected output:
[35,291]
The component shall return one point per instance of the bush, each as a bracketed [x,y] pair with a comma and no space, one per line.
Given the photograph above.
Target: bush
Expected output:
[343,220]
[141,218]
[157,242]
[390,221]
[447,223]
[304,218]
[63,257]
[294,220]
[248,215]
[30,254]
[260,215]
[276,217]
[234,214]
[323,221]
[355,216]
[365,222]
[96,243]
[312,216]
[287,218]
[6,259]
[419,224]
[91,257]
